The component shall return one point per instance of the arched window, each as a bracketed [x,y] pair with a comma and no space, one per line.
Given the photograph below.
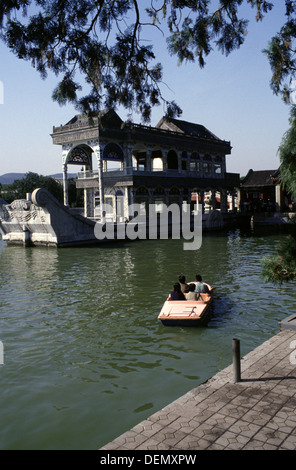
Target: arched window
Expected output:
[218,165]
[113,152]
[184,160]
[207,164]
[156,160]
[79,156]
[172,160]
[195,162]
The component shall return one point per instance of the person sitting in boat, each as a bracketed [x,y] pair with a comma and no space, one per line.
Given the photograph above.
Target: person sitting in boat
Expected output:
[190,293]
[182,281]
[176,293]
[200,287]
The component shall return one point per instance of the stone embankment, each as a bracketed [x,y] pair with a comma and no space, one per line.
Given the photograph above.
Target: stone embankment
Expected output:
[258,412]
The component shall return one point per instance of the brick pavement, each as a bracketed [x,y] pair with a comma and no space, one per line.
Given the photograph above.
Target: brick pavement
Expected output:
[257,413]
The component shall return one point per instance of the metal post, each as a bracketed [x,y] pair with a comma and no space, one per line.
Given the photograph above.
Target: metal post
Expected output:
[236,360]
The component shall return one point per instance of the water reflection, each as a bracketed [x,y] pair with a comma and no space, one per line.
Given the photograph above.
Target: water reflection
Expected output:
[86,358]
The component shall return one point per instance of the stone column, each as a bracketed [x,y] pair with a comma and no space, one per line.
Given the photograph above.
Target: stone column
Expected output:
[202,200]
[85,201]
[164,160]
[148,159]
[132,198]
[65,185]
[239,197]
[213,193]
[88,202]
[233,200]
[126,203]
[278,198]
[98,151]
[65,152]
[166,197]
[179,154]
[223,200]
[223,166]
[181,199]
[128,159]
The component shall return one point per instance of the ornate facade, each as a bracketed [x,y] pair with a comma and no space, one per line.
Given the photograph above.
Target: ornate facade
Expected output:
[123,163]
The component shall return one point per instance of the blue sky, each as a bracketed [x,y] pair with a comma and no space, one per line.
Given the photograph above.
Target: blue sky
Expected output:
[230,96]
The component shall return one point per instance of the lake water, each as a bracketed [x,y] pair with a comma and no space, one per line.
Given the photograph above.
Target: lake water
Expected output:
[85,358]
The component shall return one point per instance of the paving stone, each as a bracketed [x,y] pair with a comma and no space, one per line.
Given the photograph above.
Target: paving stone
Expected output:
[270,436]
[221,421]
[259,445]
[289,443]
[234,411]
[192,443]
[232,441]
[244,428]
[154,444]
[257,417]
[284,419]
[185,425]
[147,428]
[169,436]
[164,416]
[208,432]
[264,407]
[257,413]
[244,401]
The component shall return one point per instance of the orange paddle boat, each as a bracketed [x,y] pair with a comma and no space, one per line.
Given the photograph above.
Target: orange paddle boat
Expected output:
[187,312]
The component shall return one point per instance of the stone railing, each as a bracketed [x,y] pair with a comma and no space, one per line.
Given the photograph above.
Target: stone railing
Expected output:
[168,172]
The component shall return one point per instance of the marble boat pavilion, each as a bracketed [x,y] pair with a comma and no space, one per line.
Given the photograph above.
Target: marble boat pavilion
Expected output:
[123,163]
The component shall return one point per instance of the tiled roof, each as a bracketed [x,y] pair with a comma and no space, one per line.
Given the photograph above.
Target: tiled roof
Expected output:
[260,178]
[185,127]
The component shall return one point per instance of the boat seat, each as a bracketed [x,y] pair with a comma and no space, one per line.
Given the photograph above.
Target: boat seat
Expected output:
[178,308]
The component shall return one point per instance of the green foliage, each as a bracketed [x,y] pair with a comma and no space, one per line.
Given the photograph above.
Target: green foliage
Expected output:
[279,269]
[282,268]
[287,153]
[281,54]
[76,197]
[275,270]
[105,43]
[19,188]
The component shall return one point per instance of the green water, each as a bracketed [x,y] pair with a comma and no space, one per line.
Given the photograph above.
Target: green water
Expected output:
[85,357]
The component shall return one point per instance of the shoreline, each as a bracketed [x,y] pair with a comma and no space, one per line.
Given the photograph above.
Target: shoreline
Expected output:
[256,413]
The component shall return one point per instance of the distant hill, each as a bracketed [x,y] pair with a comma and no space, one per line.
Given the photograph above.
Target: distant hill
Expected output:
[60,175]
[9,178]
